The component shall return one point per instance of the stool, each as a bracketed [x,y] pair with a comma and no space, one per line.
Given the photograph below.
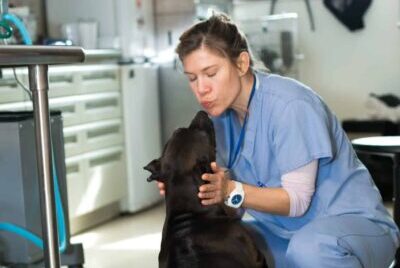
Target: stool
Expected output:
[386,146]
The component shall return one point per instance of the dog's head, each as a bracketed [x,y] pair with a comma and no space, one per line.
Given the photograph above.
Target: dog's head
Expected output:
[186,156]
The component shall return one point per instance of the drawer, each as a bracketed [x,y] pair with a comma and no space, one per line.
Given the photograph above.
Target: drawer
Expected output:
[62,84]
[104,106]
[95,179]
[10,91]
[105,80]
[82,109]
[112,181]
[76,187]
[16,106]
[93,136]
[63,81]
[76,80]
[78,109]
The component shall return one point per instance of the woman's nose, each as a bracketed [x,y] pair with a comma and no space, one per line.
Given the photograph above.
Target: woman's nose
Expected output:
[203,87]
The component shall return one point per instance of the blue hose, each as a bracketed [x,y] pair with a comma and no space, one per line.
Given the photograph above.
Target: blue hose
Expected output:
[59,210]
[7,30]
[20,26]
[4,226]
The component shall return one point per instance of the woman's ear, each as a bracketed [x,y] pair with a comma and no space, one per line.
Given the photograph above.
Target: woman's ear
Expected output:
[243,62]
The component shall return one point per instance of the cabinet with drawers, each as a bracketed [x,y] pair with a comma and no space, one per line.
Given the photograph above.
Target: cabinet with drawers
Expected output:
[89,97]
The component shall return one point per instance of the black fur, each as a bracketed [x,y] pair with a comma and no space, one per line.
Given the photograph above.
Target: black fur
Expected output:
[195,235]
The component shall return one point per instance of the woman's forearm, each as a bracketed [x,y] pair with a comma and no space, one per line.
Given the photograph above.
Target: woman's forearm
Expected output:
[270,200]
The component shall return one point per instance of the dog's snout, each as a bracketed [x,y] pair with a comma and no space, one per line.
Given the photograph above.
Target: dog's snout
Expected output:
[201,121]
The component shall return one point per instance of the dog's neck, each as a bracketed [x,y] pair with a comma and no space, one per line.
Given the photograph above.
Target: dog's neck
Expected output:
[182,197]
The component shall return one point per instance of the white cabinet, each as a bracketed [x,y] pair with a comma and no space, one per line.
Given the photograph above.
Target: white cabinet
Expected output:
[89,97]
[94,179]
[142,132]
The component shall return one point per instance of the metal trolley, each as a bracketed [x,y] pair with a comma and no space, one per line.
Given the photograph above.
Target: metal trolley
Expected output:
[37,59]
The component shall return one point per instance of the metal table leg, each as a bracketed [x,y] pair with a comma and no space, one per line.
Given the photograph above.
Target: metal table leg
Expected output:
[396,188]
[39,86]
[396,199]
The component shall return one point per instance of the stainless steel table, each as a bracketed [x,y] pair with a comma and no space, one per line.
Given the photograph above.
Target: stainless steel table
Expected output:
[37,59]
[387,146]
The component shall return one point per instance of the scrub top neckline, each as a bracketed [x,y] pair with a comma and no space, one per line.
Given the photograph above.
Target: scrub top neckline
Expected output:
[234,151]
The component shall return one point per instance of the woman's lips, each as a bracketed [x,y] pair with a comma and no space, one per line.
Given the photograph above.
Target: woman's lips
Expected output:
[206,104]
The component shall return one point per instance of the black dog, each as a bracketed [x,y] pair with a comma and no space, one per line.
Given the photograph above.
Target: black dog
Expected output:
[195,235]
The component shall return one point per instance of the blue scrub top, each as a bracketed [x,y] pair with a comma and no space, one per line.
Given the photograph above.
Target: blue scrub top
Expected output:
[289,126]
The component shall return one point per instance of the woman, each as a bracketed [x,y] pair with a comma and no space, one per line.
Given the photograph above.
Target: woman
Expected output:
[289,162]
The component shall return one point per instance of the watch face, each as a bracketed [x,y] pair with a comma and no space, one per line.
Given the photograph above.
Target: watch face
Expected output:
[236,199]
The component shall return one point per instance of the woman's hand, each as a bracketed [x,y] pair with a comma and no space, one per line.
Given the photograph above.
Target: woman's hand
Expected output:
[161,187]
[218,188]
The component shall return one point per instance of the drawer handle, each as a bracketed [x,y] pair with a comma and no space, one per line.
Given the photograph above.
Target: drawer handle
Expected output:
[101,104]
[105,159]
[103,132]
[8,83]
[67,110]
[99,75]
[60,79]
[72,169]
[70,139]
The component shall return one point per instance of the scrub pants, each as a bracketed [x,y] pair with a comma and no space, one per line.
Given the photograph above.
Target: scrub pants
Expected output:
[340,241]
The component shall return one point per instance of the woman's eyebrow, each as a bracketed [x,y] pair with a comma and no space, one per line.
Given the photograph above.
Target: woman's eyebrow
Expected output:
[204,69]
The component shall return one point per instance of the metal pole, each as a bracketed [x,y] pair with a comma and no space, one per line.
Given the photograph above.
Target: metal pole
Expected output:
[396,189]
[39,86]
[396,206]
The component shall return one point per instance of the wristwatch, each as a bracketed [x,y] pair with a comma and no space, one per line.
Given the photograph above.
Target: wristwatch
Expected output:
[236,197]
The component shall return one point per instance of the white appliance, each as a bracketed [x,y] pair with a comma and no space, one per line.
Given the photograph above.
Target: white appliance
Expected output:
[142,132]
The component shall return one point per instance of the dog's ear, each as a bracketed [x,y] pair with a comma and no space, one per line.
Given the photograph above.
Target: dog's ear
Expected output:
[155,168]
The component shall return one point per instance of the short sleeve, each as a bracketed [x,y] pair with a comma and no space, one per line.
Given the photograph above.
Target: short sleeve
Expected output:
[302,134]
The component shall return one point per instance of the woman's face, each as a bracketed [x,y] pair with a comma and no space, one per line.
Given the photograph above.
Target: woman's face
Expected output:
[214,80]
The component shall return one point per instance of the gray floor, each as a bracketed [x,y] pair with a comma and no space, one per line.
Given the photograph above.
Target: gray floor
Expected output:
[128,241]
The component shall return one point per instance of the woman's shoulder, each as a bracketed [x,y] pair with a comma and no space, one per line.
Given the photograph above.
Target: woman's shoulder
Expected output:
[284,88]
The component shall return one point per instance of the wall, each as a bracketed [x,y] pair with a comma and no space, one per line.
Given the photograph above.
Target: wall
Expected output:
[343,66]
[118,19]
[171,17]
[177,103]
[59,12]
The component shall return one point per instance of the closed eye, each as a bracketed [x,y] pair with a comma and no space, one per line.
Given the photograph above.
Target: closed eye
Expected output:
[192,78]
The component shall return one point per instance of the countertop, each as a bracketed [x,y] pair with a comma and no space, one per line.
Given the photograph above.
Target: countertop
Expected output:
[92,57]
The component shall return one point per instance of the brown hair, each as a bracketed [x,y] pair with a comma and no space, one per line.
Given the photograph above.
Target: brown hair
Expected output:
[217,33]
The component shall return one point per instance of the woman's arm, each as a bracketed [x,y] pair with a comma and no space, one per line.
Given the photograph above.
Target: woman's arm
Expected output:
[270,200]
[293,199]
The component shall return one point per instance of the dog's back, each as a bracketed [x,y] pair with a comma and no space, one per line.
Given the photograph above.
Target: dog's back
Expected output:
[208,241]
